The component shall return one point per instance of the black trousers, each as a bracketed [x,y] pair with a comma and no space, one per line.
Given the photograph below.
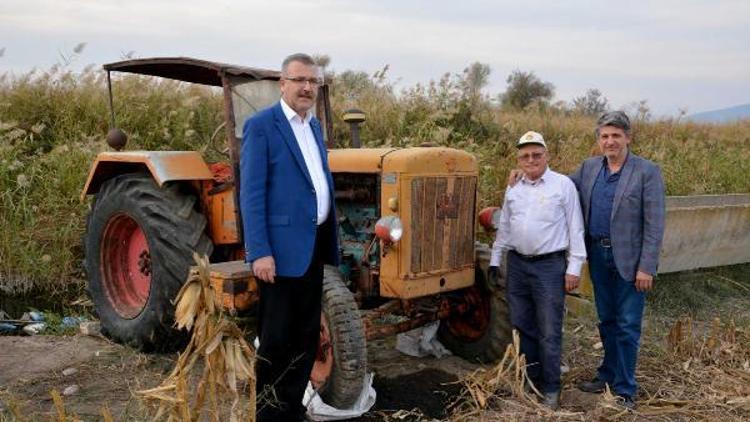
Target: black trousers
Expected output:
[289,331]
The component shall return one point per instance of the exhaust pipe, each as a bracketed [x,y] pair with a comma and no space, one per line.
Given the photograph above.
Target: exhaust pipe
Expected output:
[355,117]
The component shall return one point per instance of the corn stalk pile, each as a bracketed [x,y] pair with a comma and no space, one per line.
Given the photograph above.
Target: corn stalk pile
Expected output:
[693,373]
[506,385]
[217,343]
[703,376]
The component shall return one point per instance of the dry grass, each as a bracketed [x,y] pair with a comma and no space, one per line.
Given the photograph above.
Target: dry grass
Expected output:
[53,123]
[505,386]
[702,376]
[683,376]
[61,414]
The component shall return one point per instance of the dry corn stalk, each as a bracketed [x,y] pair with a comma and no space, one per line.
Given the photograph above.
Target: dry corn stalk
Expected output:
[107,415]
[719,346]
[705,376]
[680,339]
[508,376]
[15,409]
[59,406]
[219,344]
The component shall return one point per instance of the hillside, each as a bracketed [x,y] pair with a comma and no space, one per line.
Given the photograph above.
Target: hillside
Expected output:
[722,116]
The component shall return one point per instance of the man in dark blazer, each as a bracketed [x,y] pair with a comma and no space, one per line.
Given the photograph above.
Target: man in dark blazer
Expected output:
[622,198]
[288,213]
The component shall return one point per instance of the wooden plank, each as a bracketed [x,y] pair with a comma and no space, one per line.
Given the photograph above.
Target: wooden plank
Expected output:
[468,199]
[441,188]
[417,198]
[463,215]
[230,270]
[455,226]
[428,223]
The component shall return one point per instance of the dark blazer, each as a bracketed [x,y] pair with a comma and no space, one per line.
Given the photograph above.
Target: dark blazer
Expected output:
[637,222]
[277,198]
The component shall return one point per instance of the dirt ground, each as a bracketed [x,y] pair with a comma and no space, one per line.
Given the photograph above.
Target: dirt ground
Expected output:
[705,384]
[108,374]
[105,374]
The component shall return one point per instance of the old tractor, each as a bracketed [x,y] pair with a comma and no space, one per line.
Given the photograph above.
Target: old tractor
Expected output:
[407,225]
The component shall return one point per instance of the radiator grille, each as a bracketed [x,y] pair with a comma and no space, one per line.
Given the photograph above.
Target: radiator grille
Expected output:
[442,222]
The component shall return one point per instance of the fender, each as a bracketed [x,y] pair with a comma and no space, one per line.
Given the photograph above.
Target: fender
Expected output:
[164,166]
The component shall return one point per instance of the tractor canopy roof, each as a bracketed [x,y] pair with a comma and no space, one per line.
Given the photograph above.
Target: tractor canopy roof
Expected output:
[187,69]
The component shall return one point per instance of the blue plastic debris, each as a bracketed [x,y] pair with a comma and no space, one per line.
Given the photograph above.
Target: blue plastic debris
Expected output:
[72,321]
[36,316]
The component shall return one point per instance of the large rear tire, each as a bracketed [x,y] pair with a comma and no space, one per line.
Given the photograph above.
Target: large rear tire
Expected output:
[481,330]
[341,364]
[139,246]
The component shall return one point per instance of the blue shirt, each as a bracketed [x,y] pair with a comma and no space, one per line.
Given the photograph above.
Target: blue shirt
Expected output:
[602,198]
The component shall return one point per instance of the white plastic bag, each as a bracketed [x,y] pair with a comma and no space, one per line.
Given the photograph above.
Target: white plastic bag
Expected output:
[421,342]
[317,410]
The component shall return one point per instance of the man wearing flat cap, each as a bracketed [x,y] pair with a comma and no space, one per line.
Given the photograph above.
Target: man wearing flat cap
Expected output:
[541,228]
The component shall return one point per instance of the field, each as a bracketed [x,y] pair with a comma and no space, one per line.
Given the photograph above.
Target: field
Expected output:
[52,124]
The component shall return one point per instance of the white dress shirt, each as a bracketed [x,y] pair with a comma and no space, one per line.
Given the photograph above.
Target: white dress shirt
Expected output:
[311,153]
[540,217]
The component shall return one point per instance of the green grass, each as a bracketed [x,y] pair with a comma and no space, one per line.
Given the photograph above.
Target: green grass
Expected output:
[700,293]
[52,125]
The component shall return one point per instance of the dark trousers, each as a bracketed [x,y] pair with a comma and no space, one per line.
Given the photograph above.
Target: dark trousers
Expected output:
[289,330]
[536,298]
[620,309]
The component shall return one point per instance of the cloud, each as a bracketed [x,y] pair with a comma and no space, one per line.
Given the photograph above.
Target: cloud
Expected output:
[700,45]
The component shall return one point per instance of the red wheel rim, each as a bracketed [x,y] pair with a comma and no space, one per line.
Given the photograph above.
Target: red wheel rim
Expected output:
[324,358]
[125,266]
[470,315]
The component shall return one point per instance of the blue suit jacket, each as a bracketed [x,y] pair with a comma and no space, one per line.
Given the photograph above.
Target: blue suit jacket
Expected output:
[277,198]
[637,221]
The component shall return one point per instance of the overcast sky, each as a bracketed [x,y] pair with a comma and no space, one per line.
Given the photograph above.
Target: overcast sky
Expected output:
[677,54]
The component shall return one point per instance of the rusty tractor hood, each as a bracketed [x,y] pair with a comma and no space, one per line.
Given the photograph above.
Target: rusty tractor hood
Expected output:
[417,160]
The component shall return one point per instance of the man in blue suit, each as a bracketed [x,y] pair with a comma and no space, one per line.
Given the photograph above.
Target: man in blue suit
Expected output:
[286,198]
[622,197]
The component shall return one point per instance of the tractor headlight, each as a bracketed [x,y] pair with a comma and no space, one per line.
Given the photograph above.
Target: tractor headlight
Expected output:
[389,229]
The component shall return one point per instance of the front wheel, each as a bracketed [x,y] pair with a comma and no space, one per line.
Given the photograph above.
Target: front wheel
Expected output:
[341,362]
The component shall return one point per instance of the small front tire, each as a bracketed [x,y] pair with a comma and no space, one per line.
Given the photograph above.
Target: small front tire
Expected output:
[341,363]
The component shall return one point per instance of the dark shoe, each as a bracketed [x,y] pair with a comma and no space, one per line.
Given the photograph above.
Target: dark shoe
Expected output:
[626,401]
[594,386]
[552,400]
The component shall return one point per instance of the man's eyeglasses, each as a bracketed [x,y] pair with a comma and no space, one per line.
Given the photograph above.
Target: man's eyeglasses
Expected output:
[302,80]
[534,156]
